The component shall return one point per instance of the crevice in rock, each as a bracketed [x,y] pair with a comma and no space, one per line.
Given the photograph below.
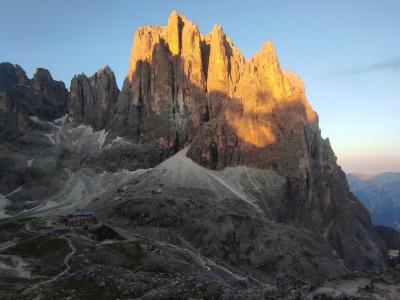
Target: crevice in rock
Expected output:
[205,57]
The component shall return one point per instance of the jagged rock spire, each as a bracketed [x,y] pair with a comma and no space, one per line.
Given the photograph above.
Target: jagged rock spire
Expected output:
[92,98]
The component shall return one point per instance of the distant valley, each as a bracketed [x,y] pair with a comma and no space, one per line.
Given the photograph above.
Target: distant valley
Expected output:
[380,194]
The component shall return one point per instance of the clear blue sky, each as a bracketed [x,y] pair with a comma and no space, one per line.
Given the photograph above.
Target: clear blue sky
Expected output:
[347,52]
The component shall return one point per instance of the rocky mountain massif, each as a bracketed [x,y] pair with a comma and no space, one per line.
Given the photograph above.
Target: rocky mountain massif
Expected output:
[204,160]
[21,97]
[380,194]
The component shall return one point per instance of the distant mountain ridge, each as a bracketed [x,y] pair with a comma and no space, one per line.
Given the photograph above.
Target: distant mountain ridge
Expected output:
[362,176]
[380,193]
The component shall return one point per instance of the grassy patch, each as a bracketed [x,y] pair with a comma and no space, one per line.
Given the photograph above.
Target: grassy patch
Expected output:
[45,253]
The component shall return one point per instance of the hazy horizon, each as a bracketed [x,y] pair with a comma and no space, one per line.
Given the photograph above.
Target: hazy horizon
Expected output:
[350,65]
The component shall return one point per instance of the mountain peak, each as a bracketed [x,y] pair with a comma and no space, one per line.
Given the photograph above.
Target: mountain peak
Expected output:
[173,29]
[173,14]
[176,15]
[10,73]
[176,66]
[268,47]
[105,70]
[217,29]
[92,98]
[42,74]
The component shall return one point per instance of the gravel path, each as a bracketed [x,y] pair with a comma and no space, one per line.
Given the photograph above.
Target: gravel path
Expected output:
[59,275]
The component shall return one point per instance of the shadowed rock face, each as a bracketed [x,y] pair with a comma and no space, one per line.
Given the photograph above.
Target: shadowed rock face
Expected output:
[21,97]
[92,99]
[390,236]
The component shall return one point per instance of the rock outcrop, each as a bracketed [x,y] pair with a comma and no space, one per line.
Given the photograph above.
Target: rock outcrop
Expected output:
[21,97]
[91,99]
[187,88]
[164,96]
[390,236]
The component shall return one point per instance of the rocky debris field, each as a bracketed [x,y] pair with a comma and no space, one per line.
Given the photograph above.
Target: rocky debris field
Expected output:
[113,263]
[59,165]
[383,284]
[102,264]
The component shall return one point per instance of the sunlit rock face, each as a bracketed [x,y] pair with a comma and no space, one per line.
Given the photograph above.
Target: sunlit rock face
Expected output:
[177,80]
[164,95]
[187,88]
[92,99]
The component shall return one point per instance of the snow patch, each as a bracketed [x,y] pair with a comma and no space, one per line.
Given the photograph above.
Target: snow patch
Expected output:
[102,138]
[117,139]
[50,136]
[14,191]
[6,245]
[37,120]
[61,121]
[4,202]
[34,119]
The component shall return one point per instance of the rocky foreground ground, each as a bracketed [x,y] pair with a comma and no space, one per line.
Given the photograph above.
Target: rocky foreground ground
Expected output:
[109,262]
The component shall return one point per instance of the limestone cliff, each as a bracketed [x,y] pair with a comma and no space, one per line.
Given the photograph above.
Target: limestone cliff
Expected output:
[91,99]
[170,71]
[21,97]
[187,88]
